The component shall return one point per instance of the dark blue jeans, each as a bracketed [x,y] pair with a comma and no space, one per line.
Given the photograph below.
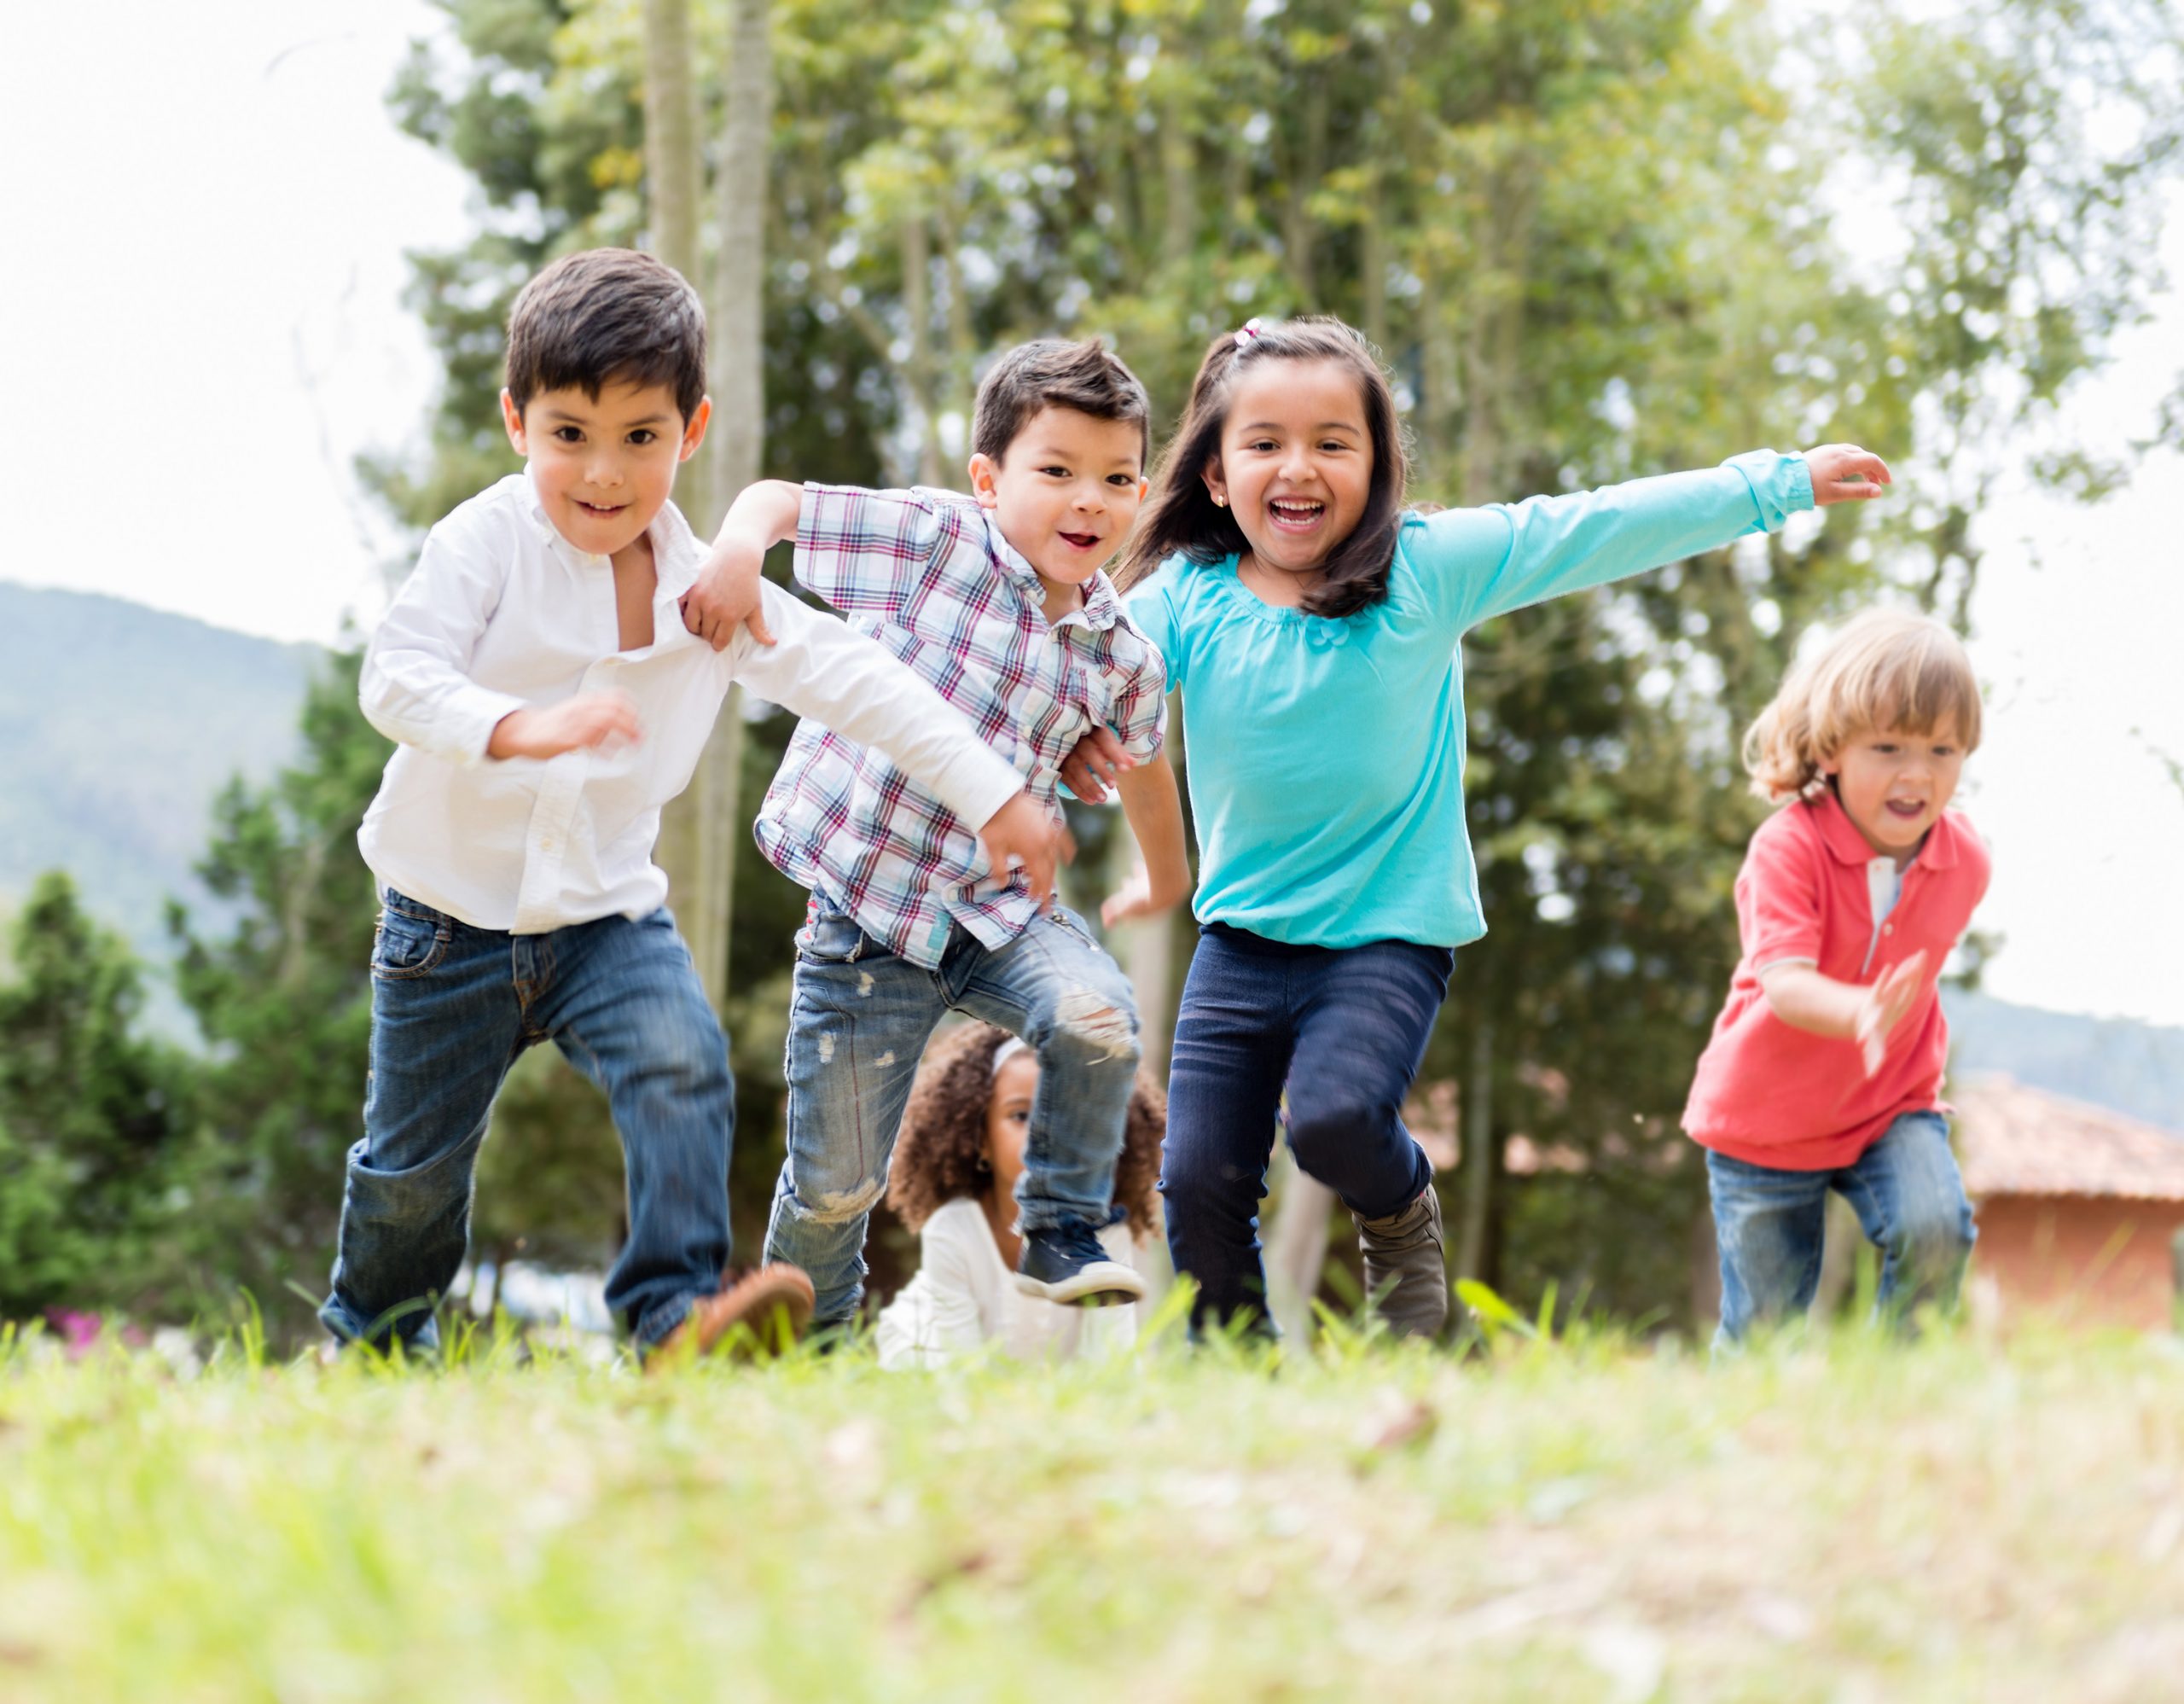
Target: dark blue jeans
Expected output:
[1770,1225]
[452,1007]
[1343,1029]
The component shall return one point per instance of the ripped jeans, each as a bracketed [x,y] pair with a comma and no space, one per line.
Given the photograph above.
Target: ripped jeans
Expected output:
[858,1022]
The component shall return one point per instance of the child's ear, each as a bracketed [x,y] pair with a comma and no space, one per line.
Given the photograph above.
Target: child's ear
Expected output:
[512,418]
[694,434]
[984,470]
[1217,487]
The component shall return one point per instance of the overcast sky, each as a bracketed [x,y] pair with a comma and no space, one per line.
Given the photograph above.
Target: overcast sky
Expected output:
[203,327]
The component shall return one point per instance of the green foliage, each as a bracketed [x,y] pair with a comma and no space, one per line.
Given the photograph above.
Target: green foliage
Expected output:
[282,998]
[99,1156]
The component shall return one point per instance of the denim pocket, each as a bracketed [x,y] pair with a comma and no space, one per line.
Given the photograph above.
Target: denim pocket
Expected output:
[1071,924]
[829,938]
[407,947]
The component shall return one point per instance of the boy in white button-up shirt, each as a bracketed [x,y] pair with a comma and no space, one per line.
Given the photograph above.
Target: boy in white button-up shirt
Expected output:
[548,702]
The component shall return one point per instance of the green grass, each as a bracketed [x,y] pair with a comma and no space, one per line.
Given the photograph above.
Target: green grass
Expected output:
[1850,1520]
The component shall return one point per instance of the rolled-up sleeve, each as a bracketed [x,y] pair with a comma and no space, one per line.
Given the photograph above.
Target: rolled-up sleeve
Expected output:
[866,550]
[414,687]
[819,668]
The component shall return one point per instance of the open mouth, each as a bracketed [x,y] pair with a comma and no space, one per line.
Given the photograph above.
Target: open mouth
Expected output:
[1080,541]
[600,511]
[1906,810]
[1295,514]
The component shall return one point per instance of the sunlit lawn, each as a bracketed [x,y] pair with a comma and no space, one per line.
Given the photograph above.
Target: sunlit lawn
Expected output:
[1850,1520]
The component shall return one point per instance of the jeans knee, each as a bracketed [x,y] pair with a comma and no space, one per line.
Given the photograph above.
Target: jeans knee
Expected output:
[1936,1240]
[837,1206]
[1322,1133]
[1096,1029]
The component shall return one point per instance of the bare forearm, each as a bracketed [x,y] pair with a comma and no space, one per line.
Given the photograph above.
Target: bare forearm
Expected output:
[1803,998]
[1154,808]
[762,517]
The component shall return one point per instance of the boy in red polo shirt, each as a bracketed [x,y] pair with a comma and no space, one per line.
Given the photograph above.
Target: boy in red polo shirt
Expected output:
[1824,1068]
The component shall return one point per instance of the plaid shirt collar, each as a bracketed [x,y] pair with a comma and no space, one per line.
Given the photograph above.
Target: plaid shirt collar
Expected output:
[1100,606]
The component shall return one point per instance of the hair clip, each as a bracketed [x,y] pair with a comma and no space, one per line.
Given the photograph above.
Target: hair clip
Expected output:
[1251,330]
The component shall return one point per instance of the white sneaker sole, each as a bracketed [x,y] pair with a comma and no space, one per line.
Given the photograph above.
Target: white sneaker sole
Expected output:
[1101,1280]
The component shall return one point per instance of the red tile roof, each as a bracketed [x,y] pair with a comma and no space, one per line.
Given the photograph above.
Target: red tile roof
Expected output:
[2016,1141]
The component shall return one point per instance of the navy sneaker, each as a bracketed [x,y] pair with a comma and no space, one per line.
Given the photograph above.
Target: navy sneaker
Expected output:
[1065,1263]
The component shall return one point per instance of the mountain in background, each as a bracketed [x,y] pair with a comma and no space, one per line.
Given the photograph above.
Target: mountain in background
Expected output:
[119,725]
[2128,1066]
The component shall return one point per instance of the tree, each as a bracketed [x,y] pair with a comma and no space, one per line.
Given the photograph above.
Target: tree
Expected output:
[100,1154]
[283,1000]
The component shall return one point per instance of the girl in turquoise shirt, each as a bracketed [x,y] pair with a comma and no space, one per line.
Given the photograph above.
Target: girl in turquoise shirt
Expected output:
[1311,622]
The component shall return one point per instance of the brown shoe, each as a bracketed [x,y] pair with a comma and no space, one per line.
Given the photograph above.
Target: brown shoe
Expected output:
[1404,1273]
[760,1313]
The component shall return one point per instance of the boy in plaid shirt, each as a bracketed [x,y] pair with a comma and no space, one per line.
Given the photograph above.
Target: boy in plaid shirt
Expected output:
[997,601]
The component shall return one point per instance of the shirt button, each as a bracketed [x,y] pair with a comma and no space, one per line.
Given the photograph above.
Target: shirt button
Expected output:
[1887,928]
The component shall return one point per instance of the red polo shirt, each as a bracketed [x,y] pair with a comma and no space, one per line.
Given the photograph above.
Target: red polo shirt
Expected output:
[1774,1095]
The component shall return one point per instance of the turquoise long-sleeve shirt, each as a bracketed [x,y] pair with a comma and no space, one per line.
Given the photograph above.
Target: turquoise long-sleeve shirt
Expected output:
[1326,759]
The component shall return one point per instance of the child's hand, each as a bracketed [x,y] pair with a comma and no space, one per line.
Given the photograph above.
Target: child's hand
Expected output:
[1843,473]
[1134,898]
[1883,1009]
[589,719]
[728,593]
[1021,832]
[1091,767]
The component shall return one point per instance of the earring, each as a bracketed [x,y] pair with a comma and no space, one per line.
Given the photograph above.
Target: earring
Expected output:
[1220,501]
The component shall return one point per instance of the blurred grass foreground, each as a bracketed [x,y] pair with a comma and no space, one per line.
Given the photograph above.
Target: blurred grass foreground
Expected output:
[1844,1518]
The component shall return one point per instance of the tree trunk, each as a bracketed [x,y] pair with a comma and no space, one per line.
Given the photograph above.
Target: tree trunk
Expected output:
[687,851]
[1478,1153]
[737,446]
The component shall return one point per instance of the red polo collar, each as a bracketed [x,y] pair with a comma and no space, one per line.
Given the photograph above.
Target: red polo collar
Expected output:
[1840,835]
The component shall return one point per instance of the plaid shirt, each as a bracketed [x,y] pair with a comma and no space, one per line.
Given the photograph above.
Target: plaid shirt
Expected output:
[929,576]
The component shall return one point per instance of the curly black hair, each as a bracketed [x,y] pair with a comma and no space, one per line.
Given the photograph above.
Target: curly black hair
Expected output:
[941,1153]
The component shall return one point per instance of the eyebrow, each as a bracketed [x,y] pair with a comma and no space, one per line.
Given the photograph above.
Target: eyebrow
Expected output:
[562,414]
[1323,425]
[1049,452]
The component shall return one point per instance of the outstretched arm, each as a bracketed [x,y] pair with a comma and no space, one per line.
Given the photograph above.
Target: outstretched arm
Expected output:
[1154,807]
[725,595]
[1490,561]
[1804,999]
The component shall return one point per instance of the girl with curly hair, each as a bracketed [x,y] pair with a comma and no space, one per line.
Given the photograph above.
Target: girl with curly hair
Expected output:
[954,1183]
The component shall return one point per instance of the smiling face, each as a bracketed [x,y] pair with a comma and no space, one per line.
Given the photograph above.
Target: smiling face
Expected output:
[603,467]
[1296,462]
[1065,493]
[1894,784]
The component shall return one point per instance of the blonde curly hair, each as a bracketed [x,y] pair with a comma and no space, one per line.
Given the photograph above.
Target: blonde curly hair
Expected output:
[1888,668]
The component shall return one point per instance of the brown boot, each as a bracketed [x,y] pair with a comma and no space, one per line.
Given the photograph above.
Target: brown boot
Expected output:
[760,1313]
[1404,1269]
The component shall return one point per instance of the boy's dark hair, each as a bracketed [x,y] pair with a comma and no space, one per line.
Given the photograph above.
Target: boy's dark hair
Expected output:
[603,315]
[1049,373]
[942,1152]
[1181,515]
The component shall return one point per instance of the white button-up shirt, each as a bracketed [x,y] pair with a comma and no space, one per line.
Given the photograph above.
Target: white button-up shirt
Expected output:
[503,613]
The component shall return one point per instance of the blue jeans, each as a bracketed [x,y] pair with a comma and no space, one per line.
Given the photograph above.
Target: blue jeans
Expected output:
[1770,1225]
[452,1006]
[859,1020]
[1343,1031]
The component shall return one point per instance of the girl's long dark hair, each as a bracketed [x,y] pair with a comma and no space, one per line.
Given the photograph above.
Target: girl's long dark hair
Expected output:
[1181,517]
